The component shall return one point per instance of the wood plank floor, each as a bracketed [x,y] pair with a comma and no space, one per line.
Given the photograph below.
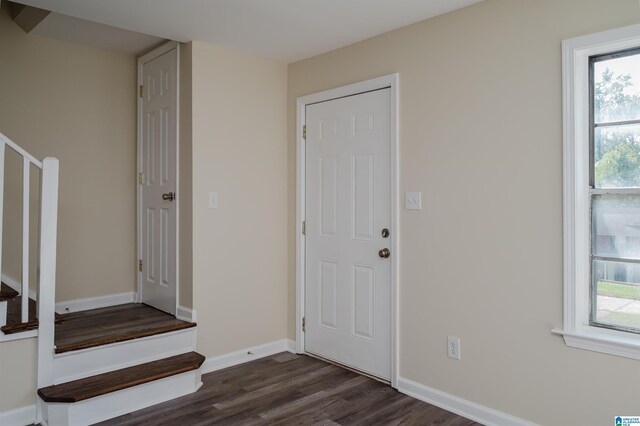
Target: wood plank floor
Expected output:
[288,389]
[86,329]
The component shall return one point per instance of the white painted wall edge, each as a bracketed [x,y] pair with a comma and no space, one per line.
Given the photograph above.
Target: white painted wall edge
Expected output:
[246,355]
[471,410]
[19,417]
[18,336]
[186,314]
[78,305]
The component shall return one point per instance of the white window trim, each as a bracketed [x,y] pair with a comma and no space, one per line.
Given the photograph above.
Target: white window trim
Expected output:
[577,331]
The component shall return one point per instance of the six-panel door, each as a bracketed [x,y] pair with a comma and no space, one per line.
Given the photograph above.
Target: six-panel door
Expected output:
[158,221]
[348,204]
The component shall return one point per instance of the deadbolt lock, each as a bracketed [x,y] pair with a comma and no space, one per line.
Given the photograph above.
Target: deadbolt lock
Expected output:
[385,233]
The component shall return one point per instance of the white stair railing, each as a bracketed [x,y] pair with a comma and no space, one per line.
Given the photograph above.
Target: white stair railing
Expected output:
[48,226]
[27,161]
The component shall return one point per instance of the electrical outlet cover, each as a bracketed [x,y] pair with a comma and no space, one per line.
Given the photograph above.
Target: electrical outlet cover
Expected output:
[453,347]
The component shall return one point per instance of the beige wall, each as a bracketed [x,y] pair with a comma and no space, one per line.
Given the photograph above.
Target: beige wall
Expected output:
[185,191]
[77,104]
[240,151]
[18,372]
[481,137]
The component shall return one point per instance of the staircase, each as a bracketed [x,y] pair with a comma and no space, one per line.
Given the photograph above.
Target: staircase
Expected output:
[97,364]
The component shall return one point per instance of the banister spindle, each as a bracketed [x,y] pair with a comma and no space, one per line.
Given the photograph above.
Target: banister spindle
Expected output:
[25,239]
[2,145]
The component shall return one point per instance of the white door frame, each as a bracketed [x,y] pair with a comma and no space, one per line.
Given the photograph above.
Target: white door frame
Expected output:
[167,47]
[387,81]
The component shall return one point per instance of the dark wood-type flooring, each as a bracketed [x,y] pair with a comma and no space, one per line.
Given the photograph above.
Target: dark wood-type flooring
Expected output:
[86,329]
[101,384]
[288,389]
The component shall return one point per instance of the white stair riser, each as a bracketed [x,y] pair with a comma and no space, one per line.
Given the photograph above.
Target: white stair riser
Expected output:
[121,402]
[75,365]
[3,313]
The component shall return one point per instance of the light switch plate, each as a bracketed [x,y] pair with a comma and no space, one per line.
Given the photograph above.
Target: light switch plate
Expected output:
[413,200]
[213,200]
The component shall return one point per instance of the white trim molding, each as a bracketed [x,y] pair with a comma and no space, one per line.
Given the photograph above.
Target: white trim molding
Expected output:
[471,410]
[186,314]
[247,355]
[18,336]
[78,305]
[391,81]
[19,417]
[577,330]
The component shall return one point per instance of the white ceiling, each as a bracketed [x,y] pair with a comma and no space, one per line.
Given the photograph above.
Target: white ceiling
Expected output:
[281,30]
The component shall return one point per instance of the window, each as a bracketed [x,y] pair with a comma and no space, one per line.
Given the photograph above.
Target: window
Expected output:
[601,78]
[614,189]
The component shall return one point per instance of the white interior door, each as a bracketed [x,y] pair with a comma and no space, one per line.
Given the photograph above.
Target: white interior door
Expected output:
[158,204]
[348,205]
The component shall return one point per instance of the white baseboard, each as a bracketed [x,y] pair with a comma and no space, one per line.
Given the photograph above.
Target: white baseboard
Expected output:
[471,410]
[19,417]
[246,355]
[291,346]
[186,314]
[95,302]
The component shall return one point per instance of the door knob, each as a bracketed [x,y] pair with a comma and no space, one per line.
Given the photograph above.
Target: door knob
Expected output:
[168,196]
[384,253]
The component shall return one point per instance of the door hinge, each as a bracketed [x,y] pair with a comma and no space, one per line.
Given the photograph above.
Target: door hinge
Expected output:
[304,325]
[304,227]
[304,132]
[141,91]
[141,178]
[140,265]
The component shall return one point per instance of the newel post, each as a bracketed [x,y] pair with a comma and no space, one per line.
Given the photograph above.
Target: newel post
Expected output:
[47,294]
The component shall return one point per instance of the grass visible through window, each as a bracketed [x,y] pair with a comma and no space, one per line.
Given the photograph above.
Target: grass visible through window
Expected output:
[617,289]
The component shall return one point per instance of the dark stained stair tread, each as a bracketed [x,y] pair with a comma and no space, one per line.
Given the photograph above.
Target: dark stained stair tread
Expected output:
[113,324]
[91,387]
[14,317]
[7,293]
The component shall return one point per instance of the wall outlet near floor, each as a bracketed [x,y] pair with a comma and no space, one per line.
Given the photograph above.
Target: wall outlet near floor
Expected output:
[453,347]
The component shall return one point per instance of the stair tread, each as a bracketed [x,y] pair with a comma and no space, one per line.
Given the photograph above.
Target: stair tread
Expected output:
[14,317]
[113,324]
[101,384]
[7,293]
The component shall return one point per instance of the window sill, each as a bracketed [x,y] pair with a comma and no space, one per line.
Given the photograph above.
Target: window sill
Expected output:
[606,343]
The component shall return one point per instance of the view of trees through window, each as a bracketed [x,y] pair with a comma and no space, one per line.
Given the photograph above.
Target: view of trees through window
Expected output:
[616,213]
[617,100]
